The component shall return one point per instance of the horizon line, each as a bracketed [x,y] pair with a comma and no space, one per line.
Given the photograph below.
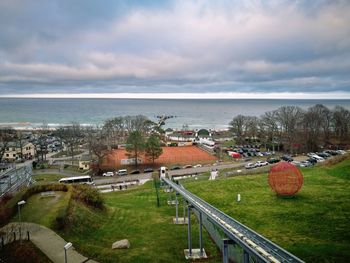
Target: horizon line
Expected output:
[183,95]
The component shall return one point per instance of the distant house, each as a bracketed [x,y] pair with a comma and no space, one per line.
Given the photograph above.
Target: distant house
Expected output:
[84,162]
[14,151]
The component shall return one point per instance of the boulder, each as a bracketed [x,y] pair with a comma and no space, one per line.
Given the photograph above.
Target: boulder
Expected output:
[124,243]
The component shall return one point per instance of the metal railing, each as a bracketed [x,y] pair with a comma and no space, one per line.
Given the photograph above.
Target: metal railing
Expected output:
[253,244]
[15,178]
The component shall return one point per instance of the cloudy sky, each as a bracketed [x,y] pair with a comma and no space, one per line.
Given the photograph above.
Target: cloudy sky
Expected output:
[236,47]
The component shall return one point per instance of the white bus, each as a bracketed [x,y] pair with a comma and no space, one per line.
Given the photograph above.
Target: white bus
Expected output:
[77,180]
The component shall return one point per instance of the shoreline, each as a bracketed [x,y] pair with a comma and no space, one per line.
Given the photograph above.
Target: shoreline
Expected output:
[28,126]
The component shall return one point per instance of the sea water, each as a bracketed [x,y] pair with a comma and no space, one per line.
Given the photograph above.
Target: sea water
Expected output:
[204,113]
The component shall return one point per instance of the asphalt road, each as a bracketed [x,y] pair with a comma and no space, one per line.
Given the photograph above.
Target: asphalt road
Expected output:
[117,179]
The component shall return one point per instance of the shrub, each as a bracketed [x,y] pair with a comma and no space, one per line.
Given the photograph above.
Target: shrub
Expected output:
[88,195]
[5,198]
[5,214]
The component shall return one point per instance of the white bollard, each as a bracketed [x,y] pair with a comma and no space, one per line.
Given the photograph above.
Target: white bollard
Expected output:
[238,197]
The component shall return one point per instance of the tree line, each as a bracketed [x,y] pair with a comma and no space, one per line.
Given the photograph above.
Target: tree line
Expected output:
[295,129]
[140,136]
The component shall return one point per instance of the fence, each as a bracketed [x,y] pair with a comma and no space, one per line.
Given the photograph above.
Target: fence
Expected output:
[15,178]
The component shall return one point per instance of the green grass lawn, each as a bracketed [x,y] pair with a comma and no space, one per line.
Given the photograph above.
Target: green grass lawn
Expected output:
[314,225]
[133,215]
[47,178]
[43,210]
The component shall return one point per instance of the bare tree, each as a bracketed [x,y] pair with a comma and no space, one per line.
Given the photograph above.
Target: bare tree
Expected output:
[252,129]
[341,122]
[312,128]
[99,149]
[114,129]
[237,127]
[289,119]
[269,123]
[20,140]
[138,123]
[71,135]
[326,120]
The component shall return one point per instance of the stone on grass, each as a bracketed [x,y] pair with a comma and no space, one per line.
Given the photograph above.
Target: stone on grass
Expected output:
[124,243]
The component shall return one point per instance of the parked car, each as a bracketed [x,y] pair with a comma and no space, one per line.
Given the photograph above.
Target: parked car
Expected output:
[316,157]
[250,165]
[187,166]
[272,160]
[122,172]
[107,174]
[331,152]
[135,172]
[312,160]
[305,164]
[342,152]
[175,168]
[296,163]
[324,155]
[287,158]
[197,166]
[261,163]
[148,170]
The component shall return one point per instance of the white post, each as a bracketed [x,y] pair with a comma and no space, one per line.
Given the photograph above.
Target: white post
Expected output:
[19,219]
[66,247]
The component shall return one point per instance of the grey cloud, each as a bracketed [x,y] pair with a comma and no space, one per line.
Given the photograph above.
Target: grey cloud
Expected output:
[86,46]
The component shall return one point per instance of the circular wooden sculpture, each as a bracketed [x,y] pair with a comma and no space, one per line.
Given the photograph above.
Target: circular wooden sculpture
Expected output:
[285,179]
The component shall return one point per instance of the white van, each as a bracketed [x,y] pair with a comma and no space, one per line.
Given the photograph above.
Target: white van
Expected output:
[108,174]
[122,172]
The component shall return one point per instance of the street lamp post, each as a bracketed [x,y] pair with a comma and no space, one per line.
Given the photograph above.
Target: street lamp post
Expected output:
[19,219]
[66,247]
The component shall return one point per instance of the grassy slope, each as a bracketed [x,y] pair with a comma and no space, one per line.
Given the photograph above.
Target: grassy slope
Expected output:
[314,225]
[43,210]
[47,178]
[133,215]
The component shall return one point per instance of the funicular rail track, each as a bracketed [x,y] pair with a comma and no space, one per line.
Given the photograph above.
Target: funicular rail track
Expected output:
[252,243]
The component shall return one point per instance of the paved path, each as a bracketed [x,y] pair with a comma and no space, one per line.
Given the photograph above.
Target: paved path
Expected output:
[47,241]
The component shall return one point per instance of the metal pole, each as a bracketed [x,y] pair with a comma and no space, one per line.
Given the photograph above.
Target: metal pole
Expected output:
[200,234]
[245,257]
[19,219]
[65,255]
[189,231]
[184,205]
[225,251]
[177,208]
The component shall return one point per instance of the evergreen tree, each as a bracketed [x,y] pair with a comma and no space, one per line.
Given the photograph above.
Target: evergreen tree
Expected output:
[153,148]
[135,145]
